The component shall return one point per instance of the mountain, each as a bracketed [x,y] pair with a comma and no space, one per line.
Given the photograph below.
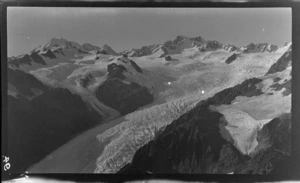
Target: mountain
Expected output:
[42,118]
[90,47]
[23,85]
[56,51]
[283,62]
[64,45]
[198,147]
[261,47]
[145,50]
[120,93]
[68,64]
[230,47]
[180,43]
[222,134]
[107,50]
[149,101]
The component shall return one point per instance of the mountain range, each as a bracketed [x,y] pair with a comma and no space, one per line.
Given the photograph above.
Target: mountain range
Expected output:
[60,47]
[187,105]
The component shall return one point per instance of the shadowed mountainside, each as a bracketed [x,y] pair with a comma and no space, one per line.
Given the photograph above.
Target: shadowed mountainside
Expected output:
[38,126]
[122,95]
[194,143]
[282,62]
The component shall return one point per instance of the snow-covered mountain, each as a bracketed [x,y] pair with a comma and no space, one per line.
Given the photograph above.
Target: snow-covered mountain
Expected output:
[261,47]
[42,116]
[121,89]
[180,43]
[162,95]
[159,88]
[56,51]
[238,130]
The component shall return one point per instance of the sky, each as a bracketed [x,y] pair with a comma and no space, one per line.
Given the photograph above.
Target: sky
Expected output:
[126,28]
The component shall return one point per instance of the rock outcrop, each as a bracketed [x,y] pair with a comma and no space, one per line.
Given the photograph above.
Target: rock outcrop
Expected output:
[287,85]
[231,58]
[168,58]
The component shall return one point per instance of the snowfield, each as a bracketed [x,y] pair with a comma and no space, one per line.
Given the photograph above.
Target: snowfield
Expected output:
[177,86]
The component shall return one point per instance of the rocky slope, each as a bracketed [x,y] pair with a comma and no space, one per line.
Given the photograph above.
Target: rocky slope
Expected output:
[198,143]
[21,84]
[41,118]
[180,43]
[261,47]
[283,62]
[151,91]
[220,136]
[231,58]
[116,92]
[57,50]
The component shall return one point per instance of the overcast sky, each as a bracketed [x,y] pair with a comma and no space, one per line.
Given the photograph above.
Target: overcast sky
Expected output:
[126,28]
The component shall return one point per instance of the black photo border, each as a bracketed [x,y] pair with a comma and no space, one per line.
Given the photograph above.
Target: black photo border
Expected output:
[292,165]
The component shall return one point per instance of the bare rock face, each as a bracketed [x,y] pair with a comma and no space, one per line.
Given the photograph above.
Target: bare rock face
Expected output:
[16,62]
[24,83]
[173,44]
[191,144]
[28,60]
[261,47]
[230,47]
[49,54]
[37,58]
[213,45]
[136,67]
[282,62]
[59,51]
[107,50]
[194,144]
[198,39]
[124,96]
[40,124]
[116,71]
[231,58]
[287,85]
[86,79]
[145,50]
[275,142]
[168,58]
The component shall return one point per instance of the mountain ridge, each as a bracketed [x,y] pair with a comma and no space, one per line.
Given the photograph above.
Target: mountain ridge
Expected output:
[56,42]
[147,91]
[200,43]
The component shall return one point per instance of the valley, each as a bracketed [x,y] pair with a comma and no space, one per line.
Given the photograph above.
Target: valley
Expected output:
[142,95]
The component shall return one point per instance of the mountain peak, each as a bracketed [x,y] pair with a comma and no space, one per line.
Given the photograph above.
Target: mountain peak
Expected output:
[56,42]
[58,39]
[180,38]
[260,47]
[106,49]
[198,39]
[105,46]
